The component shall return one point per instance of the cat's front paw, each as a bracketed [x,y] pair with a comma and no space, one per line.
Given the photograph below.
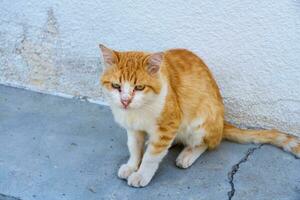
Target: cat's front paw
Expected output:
[138,179]
[125,171]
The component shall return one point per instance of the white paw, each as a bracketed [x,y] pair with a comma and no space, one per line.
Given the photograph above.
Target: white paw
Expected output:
[125,171]
[137,179]
[184,161]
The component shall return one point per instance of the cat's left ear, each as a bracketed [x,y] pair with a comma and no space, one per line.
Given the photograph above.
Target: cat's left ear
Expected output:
[154,62]
[109,55]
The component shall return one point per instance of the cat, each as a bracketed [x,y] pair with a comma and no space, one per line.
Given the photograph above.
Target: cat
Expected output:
[171,97]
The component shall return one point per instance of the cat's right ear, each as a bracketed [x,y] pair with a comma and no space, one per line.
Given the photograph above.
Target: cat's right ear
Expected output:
[154,62]
[109,55]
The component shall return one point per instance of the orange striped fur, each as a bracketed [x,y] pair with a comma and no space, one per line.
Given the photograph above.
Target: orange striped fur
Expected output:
[172,97]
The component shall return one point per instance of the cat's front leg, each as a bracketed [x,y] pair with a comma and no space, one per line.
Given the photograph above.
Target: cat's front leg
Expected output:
[135,143]
[157,149]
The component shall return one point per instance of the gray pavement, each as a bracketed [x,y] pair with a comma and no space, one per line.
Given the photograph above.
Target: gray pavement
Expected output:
[55,148]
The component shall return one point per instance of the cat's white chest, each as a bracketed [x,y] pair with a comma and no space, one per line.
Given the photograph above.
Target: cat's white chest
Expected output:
[135,120]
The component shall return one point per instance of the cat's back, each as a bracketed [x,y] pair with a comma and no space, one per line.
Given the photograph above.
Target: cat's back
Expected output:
[180,52]
[184,60]
[191,80]
[185,68]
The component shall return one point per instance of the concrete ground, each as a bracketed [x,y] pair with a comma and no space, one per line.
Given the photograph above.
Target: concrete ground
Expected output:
[55,148]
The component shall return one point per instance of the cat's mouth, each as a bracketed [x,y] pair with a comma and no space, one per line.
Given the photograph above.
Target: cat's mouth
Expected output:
[125,107]
[126,102]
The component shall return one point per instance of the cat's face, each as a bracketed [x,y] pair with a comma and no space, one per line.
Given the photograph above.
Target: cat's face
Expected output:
[131,80]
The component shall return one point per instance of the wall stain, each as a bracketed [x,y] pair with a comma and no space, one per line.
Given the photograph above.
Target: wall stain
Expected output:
[48,68]
[40,54]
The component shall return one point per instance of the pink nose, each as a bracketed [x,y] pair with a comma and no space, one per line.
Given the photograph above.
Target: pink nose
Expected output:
[125,102]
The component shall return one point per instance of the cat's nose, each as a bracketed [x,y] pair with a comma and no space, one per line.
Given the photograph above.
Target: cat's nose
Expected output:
[125,102]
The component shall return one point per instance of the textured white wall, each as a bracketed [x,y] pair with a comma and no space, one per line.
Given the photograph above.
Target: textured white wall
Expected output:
[252,47]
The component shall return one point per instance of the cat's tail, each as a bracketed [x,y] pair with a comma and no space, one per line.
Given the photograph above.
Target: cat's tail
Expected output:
[282,140]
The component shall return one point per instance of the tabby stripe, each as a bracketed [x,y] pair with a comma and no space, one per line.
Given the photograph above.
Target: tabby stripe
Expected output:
[287,140]
[160,145]
[166,137]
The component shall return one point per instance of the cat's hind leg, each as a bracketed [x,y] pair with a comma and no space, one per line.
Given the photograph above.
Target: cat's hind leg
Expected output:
[193,139]
[189,155]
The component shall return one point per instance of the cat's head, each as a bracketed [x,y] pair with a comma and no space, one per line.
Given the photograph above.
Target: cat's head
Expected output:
[131,80]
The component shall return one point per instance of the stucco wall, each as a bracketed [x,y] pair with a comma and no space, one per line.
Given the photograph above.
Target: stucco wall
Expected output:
[252,47]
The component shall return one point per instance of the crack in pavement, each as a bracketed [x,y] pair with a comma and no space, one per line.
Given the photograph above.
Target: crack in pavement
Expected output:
[236,167]
[8,197]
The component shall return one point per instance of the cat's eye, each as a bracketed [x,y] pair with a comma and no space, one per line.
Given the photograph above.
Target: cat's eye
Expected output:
[139,87]
[116,86]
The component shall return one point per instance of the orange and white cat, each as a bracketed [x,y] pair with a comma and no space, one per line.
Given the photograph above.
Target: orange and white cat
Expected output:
[171,97]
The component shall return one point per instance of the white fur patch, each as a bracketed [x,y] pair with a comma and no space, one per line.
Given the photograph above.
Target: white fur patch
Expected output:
[281,139]
[291,145]
[191,134]
[126,91]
